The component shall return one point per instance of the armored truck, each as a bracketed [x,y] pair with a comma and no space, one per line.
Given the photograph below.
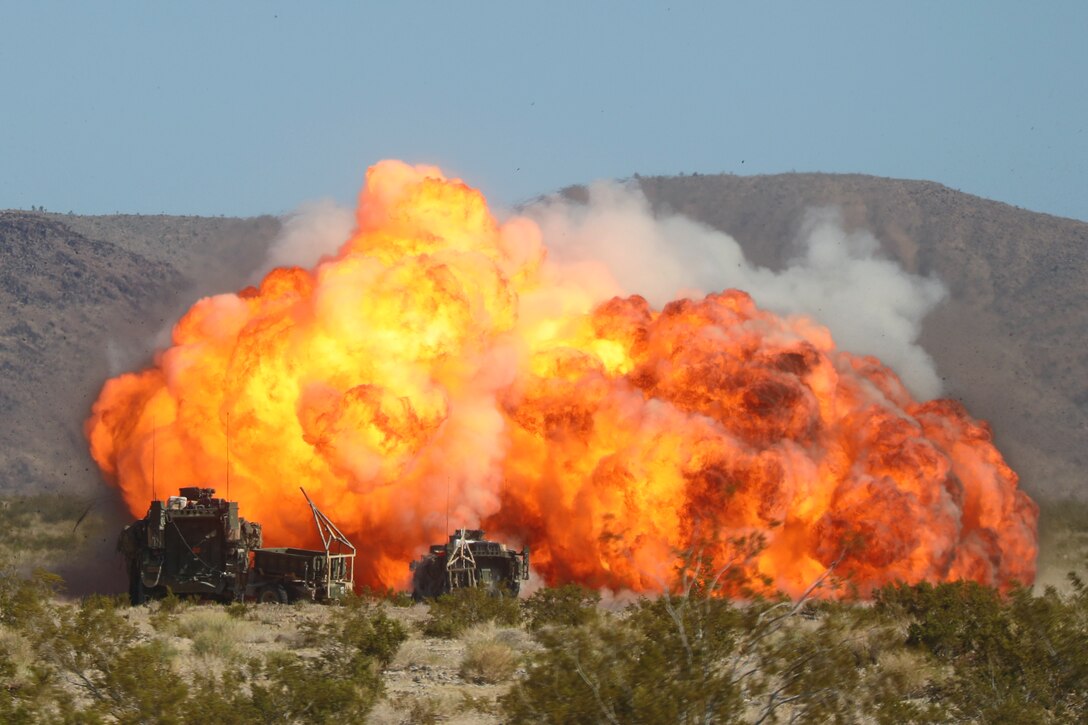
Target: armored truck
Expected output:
[197,545]
[469,560]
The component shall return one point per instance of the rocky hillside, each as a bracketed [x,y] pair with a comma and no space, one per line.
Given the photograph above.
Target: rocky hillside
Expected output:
[83,298]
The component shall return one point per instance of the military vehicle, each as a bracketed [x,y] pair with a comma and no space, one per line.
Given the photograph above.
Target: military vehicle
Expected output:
[469,560]
[196,544]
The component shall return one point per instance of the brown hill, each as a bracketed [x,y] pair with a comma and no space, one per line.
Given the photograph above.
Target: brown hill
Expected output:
[82,298]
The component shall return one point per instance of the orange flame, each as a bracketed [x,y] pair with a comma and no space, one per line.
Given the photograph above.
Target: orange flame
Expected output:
[441,354]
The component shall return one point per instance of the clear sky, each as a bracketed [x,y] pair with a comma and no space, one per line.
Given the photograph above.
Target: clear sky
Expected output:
[243,108]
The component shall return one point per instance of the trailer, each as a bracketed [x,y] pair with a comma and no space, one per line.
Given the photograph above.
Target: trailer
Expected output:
[195,544]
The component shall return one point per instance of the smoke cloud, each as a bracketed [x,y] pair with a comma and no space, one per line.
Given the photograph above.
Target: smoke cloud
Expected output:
[314,230]
[512,369]
[871,305]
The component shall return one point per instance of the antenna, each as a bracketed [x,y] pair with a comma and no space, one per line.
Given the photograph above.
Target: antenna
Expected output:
[228,456]
[154,452]
[447,504]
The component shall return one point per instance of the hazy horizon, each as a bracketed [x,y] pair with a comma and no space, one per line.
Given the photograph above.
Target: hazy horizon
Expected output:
[254,108]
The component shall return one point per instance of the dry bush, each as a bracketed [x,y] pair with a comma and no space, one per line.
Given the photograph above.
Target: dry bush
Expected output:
[214,633]
[514,637]
[417,652]
[18,652]
[488,660]
[909,670]
[426,709]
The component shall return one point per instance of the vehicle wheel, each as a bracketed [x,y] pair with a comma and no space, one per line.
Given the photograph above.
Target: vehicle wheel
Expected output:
[136,593]
[272,594]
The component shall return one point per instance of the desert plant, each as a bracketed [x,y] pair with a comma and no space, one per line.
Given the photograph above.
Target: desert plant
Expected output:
[25,602]
[425,709]
[214,633]
[1013,658]
[166,611]
[451,614]
[489,658]
[389,595]
[692,655]
[570,605]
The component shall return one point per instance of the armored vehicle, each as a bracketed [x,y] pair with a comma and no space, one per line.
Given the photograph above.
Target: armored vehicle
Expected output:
[196,544]
[469,560]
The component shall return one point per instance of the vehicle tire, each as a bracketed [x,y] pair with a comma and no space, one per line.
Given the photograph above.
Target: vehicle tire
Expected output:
[272,594]
[137,595]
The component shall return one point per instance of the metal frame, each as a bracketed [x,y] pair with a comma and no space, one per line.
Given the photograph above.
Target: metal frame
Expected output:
[461,562]
[330,535]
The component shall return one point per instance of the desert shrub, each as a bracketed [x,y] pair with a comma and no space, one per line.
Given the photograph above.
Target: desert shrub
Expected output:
[89,640]
[583,674]
[488,661]
[214,633]
[696,659]
[692,655]
[474,703]
[25,602]
[1015,658]
[451,614]
[98,651]
[223,699]
[425,709]
[489,656]
[167,610]
[343,682]
[26,688]
[365,632]
[241,610]
[140,681]
[321,690]
[390,595]
[570,605]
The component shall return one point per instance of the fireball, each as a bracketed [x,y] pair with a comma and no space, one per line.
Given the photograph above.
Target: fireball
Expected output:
[441,362]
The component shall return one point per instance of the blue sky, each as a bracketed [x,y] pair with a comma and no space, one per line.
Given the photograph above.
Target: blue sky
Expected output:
[244,108]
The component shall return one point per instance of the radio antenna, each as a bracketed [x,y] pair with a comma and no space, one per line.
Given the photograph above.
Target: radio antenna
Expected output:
[447,504]
[154,452]
[228,455]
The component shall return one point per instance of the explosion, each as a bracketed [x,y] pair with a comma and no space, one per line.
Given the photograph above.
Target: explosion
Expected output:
[441,362]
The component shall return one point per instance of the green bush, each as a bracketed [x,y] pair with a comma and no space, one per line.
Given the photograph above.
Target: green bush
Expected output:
[342,683]
[570,605]
[241,610]
[364,632]
[451,614]
[692,655]
[390,595]
[26,603]
[1018,658]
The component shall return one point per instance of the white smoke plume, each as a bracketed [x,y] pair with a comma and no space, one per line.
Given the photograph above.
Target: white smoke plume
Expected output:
[314,230]
[871,305]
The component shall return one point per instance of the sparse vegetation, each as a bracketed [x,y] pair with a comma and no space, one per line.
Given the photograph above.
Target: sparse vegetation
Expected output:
[90,662]
[39,529]
[451,614]
[570,605]
[490,657]
[923,653]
